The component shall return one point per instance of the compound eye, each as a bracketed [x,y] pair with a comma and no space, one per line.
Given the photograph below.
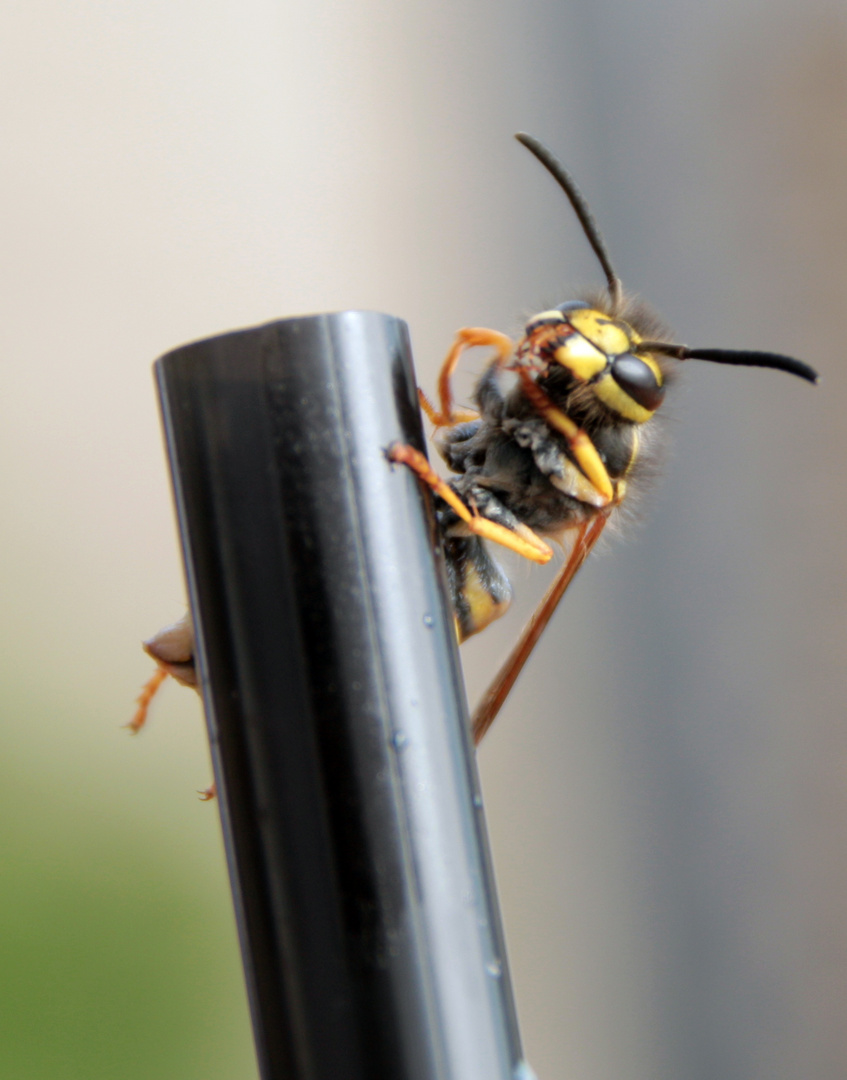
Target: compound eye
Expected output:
[572,305]
[638,380]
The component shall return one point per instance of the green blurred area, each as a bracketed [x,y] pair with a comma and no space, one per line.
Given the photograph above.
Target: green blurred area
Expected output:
[117,942]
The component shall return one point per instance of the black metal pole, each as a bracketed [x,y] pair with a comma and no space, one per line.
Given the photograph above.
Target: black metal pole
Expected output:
[348,790]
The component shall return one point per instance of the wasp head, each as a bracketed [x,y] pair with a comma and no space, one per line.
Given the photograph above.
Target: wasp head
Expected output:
[621,364]
[602,355]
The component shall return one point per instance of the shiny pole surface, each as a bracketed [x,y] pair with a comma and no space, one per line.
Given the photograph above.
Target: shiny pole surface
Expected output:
[348,791]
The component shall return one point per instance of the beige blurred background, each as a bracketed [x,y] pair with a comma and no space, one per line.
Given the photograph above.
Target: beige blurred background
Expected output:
[667,788]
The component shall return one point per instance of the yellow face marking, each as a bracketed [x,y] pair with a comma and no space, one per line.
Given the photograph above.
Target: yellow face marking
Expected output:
[619,401]
[608,335]
[582,358]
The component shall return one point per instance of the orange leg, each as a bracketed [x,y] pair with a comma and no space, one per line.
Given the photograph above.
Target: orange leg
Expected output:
[524,542]
[587,536]
[468,338]
[148,692]
[581,445]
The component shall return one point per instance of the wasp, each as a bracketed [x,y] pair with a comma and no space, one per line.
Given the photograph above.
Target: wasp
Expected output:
[552,457]
[561,451]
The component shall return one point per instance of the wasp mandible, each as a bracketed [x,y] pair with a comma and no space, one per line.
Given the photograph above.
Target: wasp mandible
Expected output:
[561,451]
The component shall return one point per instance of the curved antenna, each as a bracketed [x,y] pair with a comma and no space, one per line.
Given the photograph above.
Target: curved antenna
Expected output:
[586,218]
[733,356]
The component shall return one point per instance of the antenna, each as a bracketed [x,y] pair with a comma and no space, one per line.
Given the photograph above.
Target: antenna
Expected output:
[680,352]
[586,218]
[734,356]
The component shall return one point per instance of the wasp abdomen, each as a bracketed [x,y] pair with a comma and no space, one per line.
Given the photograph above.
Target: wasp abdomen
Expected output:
[479,589]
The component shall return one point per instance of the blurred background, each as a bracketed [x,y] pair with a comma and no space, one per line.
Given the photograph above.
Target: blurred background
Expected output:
[667,788]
